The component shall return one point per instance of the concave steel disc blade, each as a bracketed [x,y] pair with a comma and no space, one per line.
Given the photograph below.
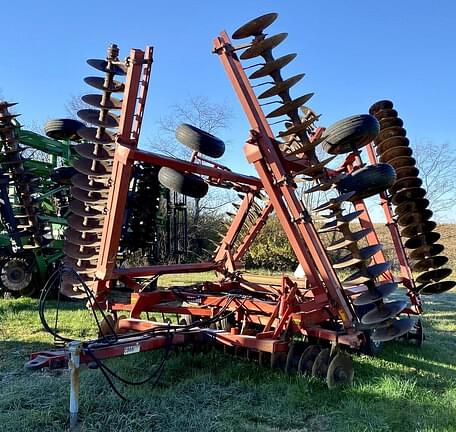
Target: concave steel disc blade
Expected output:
[69,290]
[380,105]
[348,240]
[93,168]
[255,27]
[74,251]
[99,83]
[80,209]
[414,217]
[96,135]
[79,223]
[340,370]
[281,86]
[368,252]
[75,237]
[402,161]
[426,251]
[259,47]
[408,194]
[316,168]
[433,275]
[93,116]
[422,239]
[371,272]
[394,131]
[414,206]
[407,171]
[104,66]
[387,122]
[404,183]
[396,152]
[419,228]
[439,287]
[6,105]
[95,151]
[396,329]
[288,107]
[83,182]
[272,66]
[430,263]
[395,141]
[380,292]
[88,197]
[341,220]
[346,262]
[384,312]
[96,100]
[334,202]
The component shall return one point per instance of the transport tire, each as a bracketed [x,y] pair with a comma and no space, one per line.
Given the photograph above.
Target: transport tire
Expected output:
[200,141]
[183,183]
[63,129]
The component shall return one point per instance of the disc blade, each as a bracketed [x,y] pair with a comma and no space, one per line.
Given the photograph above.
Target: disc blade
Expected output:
[89,197]
[334,202]
[433,275]
[394,141]
[100,169]
[288,107]
[387,122]
[422,240]
[367,274]
[430,263]
[415,206]
[407,171]
[426,251]
[346,262]
[272,66]
[93,117]
[396,329]
[80,209]
[76,237]
[99,83]
[414,230]
[71,291]
[395,131]
[83,182]
[408,194]
[380,292]
[438,288]
[295,129]
[104,66]
[259,47]
[402,161]
[281,86]
[79,223]
[96,135]
[348,240]
[384,312]
[255,27]
[96,100]
[414,217]
[74,251]
[395,152]
[95,151]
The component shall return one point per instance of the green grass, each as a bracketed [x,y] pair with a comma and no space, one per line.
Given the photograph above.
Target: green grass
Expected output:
[405,389]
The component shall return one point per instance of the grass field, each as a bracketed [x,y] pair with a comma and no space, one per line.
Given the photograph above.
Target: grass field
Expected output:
[405,389]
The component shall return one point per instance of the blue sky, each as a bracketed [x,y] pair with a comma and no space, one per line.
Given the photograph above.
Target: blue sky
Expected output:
[353,53]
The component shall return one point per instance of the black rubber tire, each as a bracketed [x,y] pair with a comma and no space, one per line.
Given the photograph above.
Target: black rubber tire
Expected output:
[63,129]
[350,133]
[200,141]
[183,183]
[368,181]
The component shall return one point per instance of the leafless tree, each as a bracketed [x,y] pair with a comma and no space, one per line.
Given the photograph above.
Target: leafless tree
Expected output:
[437,165]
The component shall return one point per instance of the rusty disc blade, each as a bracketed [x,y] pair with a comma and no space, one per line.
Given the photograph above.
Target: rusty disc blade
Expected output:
[384,312]
[288,107]
[96,135]
[301,127]
[405,183]
[79,223]
[346,262]
[395,152]
[281,86]
[83,182]
[396,329]
[81,209]
[418,228]
[380,292]
[88,197]
[438,288]
[430,263]
[255,27]
[96,100]
[426,251]
[402,161]
[380,105]
[92,116]
[99,83]
[386,113]
[259,47]
[395,131]
[433,275]
[317,168]
[76,237]
[104,66]
[422,239]
[95,151]
[272,66]
[334,202]
[349,239]
[331,226]
[387,122]
[74,251]
[395,141]
[415,206]
[88,167]
[408,194]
